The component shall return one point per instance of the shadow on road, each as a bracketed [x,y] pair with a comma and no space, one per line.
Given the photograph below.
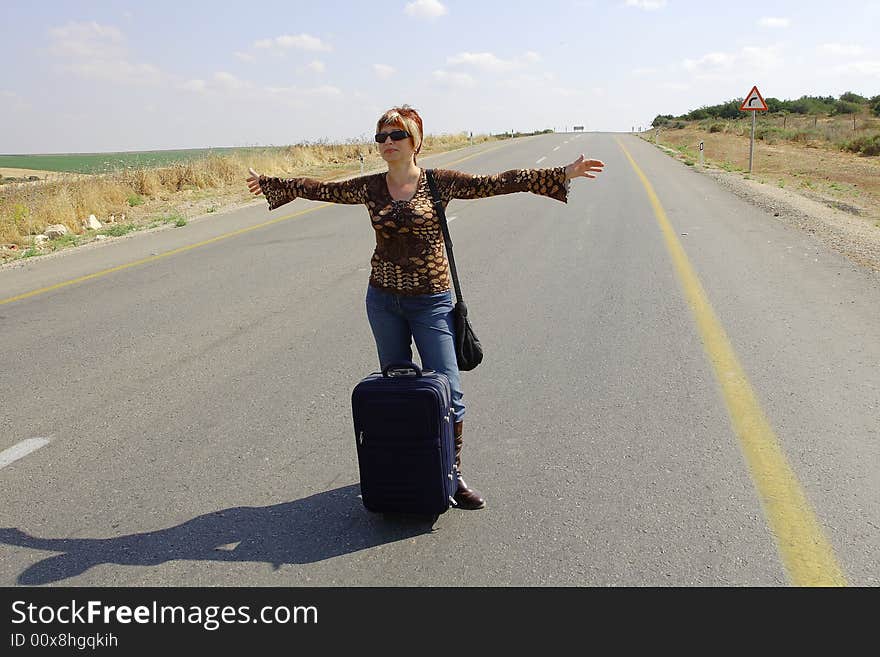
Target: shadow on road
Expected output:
[312,529]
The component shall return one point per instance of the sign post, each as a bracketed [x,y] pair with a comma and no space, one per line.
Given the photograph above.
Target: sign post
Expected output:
[753,103]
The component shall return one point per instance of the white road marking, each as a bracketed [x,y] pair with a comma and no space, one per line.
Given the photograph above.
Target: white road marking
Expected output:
[556,149]
[21,450]
[229,547]
[541,160]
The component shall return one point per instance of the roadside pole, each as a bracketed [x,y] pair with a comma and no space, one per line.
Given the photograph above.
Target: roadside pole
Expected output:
[752,141]
[754,103]
[701,153]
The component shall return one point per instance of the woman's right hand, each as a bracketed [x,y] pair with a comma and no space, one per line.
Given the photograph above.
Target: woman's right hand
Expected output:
[253,182]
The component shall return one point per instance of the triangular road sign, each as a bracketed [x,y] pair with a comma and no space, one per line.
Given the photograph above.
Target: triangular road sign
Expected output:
[754,102]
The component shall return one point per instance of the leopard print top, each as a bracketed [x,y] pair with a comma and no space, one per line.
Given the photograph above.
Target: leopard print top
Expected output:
[410,257]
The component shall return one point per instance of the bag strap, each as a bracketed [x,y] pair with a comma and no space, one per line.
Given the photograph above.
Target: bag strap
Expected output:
[438,207]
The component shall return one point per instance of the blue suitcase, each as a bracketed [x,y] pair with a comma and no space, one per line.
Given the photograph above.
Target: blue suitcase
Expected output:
[404,437]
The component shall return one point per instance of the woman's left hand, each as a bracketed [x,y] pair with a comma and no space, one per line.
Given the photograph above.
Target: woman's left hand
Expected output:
[253,182]
[582,167]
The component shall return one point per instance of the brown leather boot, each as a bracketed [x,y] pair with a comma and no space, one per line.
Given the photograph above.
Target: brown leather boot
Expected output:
[466,498]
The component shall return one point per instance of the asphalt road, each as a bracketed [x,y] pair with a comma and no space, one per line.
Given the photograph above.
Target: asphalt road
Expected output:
[681,392]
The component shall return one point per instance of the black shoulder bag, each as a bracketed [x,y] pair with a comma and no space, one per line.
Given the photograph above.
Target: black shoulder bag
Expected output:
[468,351]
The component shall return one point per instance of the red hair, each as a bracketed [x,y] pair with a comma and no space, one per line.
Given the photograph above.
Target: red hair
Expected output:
[408,118]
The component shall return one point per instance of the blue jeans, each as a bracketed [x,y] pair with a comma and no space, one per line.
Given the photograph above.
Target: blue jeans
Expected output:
[397,319]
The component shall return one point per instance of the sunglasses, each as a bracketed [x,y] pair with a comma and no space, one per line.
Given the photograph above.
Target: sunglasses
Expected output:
[396,135]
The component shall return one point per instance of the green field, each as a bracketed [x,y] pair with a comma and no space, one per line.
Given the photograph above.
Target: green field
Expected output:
[109,162]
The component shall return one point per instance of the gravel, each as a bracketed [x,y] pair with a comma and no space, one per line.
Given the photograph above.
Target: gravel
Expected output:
[841,227]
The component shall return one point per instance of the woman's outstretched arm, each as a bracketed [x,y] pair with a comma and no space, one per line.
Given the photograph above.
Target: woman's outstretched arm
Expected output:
[552,183]
[279,191]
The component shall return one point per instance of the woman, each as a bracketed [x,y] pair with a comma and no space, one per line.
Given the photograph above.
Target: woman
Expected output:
[409,295]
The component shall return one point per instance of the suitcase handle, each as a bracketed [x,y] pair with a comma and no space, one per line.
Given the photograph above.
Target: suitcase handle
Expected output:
[403,368]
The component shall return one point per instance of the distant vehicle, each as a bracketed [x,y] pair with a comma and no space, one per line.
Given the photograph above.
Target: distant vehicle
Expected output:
[578,128]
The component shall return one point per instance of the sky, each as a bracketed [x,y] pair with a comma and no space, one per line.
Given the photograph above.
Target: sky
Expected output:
[102,76]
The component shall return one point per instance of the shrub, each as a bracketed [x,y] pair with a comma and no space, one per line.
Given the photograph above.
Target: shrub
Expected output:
[20,215]
[730,110]
[118,230]
[716,127]
[812,105]
[801,136]
[850,97]
[698,114]
[135,199]
[866,145]
[774,105]
[845,107]
[769,133]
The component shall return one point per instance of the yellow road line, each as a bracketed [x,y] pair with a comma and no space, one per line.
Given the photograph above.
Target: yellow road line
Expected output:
[159,256]
[190,247]
[806,553]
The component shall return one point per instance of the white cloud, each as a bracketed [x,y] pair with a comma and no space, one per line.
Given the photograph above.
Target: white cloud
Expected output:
[648,5]
[12,101]
[864,68]
[221,82]
[710,63]
[426,9]
[121,71]
[566,92]
[245,57]
[769,21]
[455,79]
[90,40]
[383,71]
[299,41]
[197,86]
[644,70]
[750,60]
[528,82]
[491,63]
[229,82]
[325,91]
[761,58]
[300,98]
[674,86]
[842,50]
[98,52]
[316,66]
[484,61]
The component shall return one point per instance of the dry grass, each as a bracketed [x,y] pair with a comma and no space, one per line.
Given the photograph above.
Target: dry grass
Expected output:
[803,156]
[26,209]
